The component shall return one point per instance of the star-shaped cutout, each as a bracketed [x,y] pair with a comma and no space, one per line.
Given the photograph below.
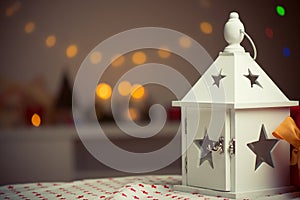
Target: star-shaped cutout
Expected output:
[218,78]
[205,145]
[253,78]
[262,148]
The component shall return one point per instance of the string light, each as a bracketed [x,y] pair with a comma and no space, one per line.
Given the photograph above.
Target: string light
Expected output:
[29,27]
[50,41]
[124,88]
[103,91]
[185,42]
[206,27]
[280,10]
[36,120]
[71,51]
[118,61]
[164,52]
[138,91]
[95,57]
[132,113]
[139,58]
[11,10]
[286,52]
[269,32]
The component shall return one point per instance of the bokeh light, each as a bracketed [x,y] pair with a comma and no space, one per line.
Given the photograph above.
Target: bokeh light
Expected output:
[185,42]
[280,10]
[286,52]
[206,27]
[29,27]
[164,52]
[71,51]
[269,32]
[137,91]
[205,3]
[124,88]
[103,91]
[12,9]
[139,58]
[36,120]
[50,41]
[133,113]
[118,61]
[95,57]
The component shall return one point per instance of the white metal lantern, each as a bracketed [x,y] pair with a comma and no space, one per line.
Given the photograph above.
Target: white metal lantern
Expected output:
[227,121]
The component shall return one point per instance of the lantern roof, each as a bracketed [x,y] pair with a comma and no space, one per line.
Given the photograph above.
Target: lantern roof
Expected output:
[234,78]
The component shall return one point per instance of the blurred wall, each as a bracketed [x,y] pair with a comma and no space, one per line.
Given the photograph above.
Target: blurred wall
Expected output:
[24,56]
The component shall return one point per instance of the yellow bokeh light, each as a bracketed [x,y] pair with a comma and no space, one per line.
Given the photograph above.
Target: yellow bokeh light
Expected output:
[185,42]
[103,91]
[96,57]
[137,91]
[206,27]
[36,120]
[164,52]
[118,61]
[71,51]
[139,58]
[11,10]
[29,27]
[124,88]
[50,41]
[133,113]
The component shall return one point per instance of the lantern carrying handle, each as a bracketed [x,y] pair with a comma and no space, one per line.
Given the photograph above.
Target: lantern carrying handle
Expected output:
[252,43]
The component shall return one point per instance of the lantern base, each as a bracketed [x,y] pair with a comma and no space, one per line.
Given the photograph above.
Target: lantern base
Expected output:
[282,193]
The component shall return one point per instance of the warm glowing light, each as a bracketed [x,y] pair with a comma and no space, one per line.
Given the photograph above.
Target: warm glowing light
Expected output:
[11,10]
[124,88]
[103,91]
[96,57]
[29,27]
[133,113]
[205,3]
[164,52]
[185,42]
[118,61]
[50,41]
[286,52]
[139,58]
[138,91]
[280,10]
[71,51]
[269,32]
[206,27]
[36,120]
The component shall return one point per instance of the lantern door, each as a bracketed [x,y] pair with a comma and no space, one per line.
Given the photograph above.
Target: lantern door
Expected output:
[208,158]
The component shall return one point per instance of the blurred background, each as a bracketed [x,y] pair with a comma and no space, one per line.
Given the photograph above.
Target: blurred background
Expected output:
[43,44]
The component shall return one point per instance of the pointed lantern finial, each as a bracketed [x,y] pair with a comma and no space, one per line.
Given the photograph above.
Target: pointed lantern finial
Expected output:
[233,33]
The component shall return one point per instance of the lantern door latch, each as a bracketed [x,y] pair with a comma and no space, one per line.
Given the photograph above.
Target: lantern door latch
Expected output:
[218,146]
[231,148]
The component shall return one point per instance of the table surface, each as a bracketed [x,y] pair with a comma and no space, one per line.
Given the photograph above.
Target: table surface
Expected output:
[131,187]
